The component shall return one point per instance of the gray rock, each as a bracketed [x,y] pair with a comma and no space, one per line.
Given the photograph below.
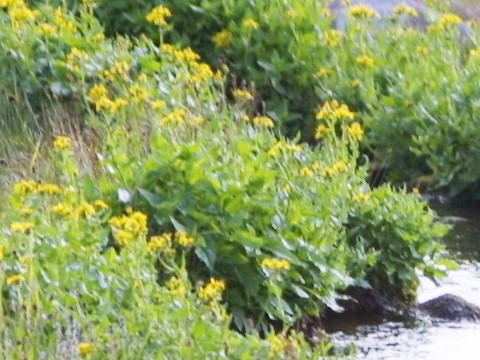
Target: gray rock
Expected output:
[447,307]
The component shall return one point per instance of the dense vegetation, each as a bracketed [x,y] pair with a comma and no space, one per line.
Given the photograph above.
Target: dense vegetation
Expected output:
[161,207]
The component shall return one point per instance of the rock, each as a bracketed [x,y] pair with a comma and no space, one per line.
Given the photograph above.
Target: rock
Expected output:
[447,307]
[384,7]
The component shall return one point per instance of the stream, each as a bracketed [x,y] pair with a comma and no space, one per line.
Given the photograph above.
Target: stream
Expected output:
[378,339]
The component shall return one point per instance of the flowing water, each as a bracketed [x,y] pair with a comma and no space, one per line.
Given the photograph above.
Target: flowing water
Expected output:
[377,339]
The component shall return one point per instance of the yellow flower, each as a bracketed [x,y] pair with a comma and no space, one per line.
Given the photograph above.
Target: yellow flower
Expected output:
[85,348]
[101,204]
[59,19]
[103,103]
[250,23]
[98,37]
[135,222]
[176,286]
[119,68]
[333,37]
[276,264]
[8,3]
[158,14]
[2,252]
[198,120]
[202,72]
[117,104]
[306,171]
[326,12]
[138,93]
[361,197]
[241,93]
[15,279]
[334,110]
[62,143]
[24,187]
[335,168]
[21,226]
[86,209]
[323,72]
[160,242]
[62,209]
[75,57]
[183,238]
[158,104]
[27,210]
[176,116]
[213,290]
[223,38]
[416,190]
[355,83]
[365,60]
[97,92]
[263,121]
[122,237]
[405,9]
[23,13]
[363,11]
[449,19]
[277,345]
[287,189]
[321,130]
[356,131]
[49,189]
[47,29]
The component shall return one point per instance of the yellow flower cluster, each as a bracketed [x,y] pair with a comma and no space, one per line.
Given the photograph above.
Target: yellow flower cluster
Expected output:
[356,131]
[62,22]
[15,279]
[365,60]
[157,242]
[263,121]
[24,187]
[276,264]
[85,348]
[334,110]
[121,68]
[128,226]
[306,171]
[250,23]
[242,93]
[158,15]
[62,143]
[333,37]
[321,130]
[75,57]
[97,92]
[158,104]
[101,204]
[405,9]
[203,72]
[23,13]
[184,239]
[62,209]
[177,286]
[138,93]
[47,29]
[361,197]
[449,19]
[2,252]
[177,116]
[86,209]
[363,11]
[223,38]
[9,3]
[22,226]
[335,168]
[213,290]
[280,145]
[48,188]
[323,72]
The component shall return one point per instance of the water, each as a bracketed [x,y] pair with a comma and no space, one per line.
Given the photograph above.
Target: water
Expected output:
[377,340]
